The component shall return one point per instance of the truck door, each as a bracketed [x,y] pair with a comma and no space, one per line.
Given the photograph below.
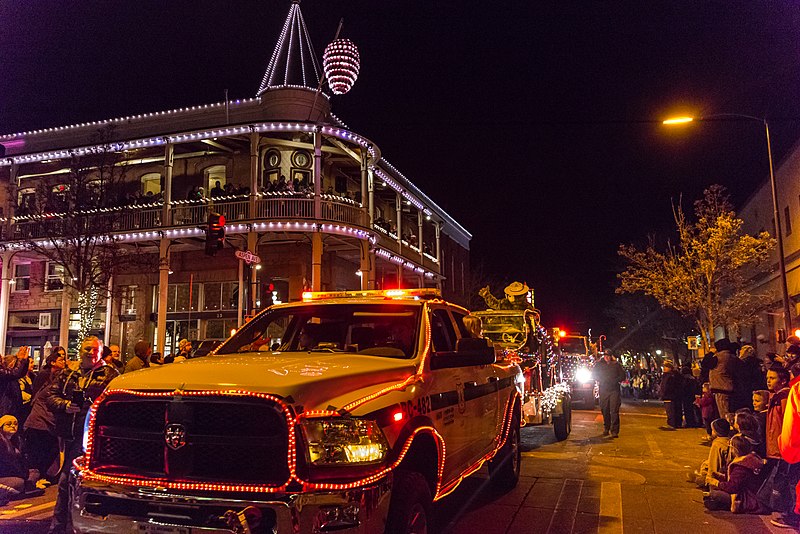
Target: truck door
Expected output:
[480,394]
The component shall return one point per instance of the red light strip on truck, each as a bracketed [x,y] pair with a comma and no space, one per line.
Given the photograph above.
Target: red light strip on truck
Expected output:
[416,293]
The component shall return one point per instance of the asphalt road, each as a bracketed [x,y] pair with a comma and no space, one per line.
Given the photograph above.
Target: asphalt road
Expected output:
[586,484]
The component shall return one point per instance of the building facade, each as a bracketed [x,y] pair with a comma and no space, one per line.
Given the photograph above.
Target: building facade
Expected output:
[315,201]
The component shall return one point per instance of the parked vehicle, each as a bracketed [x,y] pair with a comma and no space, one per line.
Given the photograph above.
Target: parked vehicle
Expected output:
[577,366]
[350,411]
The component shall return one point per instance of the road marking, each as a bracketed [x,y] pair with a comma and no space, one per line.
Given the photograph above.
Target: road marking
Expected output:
[16,514]
[567,506]
[654,448]
[610,508]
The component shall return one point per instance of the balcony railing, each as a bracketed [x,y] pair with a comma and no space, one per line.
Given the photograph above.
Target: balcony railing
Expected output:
[192,213]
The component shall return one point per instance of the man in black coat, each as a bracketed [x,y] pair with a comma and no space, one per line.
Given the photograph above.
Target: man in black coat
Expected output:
[609,373]
[672,395]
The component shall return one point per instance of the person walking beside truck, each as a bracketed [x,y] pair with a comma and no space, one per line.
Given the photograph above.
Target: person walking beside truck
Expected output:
[609,373]
[70,397]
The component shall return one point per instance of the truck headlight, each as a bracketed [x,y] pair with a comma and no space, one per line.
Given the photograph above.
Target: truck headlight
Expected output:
[343,441]
[583,375]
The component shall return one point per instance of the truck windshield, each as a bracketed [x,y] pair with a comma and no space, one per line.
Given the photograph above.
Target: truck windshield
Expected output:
[572,345]
[389,330]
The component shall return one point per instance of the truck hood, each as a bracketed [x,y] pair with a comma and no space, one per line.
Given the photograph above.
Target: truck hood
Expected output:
[311,379]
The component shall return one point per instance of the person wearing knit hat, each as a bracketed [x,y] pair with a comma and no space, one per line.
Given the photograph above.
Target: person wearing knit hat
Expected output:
[717,460]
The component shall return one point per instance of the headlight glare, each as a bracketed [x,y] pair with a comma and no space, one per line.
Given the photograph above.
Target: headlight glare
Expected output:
[583,375]
[344,441]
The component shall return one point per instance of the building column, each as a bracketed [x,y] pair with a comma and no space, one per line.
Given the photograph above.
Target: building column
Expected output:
[420,241]
[398,207]
[109,303]
[371,199]
[5,290]
[373,272]
[254,139]
[240,303]
[366,265]
[366,220]
[316,261]
[163,289]
[399,277]
[438,228]
[63,325]
[13,187]
[317,175]
[169,154]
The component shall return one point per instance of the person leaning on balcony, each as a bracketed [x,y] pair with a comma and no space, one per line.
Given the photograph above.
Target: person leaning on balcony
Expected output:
[141,357]
[71,396]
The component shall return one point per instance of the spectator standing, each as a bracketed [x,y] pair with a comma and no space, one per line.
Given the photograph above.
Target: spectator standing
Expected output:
[760,407]
[55,362]
[70,397]
[690,389]
[708,409]
[26,392]
[672,395]
[141,357]
[185,348]
[112,357]
[609,373]
[721,377]
[786,474]
[217,190]
[11,371]
[749,377]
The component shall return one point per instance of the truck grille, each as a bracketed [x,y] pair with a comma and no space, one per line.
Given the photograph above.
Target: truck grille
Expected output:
[227,439]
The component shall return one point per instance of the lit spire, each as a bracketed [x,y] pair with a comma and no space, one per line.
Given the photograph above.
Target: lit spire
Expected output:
[293,61]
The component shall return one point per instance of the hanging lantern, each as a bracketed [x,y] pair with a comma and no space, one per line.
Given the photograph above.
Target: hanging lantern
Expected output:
[341,63]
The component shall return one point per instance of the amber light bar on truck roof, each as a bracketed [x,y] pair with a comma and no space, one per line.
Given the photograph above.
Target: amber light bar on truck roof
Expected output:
[416,293]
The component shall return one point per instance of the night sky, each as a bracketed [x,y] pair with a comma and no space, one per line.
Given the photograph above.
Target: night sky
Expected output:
[534,124]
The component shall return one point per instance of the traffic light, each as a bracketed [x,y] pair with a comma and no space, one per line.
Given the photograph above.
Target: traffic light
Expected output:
[215,233]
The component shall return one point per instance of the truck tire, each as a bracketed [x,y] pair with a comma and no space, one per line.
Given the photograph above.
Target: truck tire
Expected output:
[411,504]
[504,468]
[562,425]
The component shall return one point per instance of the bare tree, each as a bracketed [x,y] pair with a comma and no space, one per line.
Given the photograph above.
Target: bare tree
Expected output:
[72,221]
[705,276]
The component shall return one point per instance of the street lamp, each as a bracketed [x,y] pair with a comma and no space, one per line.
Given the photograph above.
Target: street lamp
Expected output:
[787,315]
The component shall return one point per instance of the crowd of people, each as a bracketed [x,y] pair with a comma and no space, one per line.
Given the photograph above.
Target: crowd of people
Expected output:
[749,408]
[42,414]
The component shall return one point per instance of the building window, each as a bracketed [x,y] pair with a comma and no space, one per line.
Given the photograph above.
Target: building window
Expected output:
[788,219]
[151,184]
[178,296]
[54,277]
[219,328]
[22,277]
[220,296]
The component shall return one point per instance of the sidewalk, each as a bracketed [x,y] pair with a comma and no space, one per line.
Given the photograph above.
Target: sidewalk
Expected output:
[592,484]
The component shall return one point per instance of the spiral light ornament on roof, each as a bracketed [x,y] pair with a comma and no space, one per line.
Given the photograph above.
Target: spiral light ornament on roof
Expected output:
[341,63]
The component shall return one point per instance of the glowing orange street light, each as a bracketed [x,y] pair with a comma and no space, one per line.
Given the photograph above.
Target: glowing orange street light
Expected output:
[561,333]
[787,314]
[678,120]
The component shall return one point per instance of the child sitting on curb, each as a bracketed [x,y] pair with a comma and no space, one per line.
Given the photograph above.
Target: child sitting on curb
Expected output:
[717,461]
[737,490]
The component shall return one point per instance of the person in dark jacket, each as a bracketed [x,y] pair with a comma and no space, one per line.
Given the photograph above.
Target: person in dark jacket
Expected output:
[13,471]
[70,397]
[691,388]
[721,377]
[11,370]
[749,377]
[609,373]
[53,364]
[672,395]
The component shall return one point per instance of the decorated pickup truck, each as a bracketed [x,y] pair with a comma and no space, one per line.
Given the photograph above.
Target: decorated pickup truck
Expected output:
[349,411]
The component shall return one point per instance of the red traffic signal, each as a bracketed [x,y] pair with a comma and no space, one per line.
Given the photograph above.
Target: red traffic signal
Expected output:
[215,233]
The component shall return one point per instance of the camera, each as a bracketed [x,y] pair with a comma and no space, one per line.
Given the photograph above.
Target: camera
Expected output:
[78,398]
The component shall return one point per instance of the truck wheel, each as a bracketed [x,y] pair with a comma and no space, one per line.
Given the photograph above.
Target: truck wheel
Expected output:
[562,425]
[504,468]
[410,507]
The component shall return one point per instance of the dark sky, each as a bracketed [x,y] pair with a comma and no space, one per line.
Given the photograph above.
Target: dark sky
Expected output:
[529,122]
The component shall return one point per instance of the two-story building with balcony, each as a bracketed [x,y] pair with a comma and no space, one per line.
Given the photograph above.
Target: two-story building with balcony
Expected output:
[318,204]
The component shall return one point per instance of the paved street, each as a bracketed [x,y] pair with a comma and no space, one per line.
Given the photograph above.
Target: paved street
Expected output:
[634,484]
[588,483]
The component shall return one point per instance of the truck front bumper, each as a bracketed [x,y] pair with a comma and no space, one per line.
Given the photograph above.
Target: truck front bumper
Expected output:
[100,507]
